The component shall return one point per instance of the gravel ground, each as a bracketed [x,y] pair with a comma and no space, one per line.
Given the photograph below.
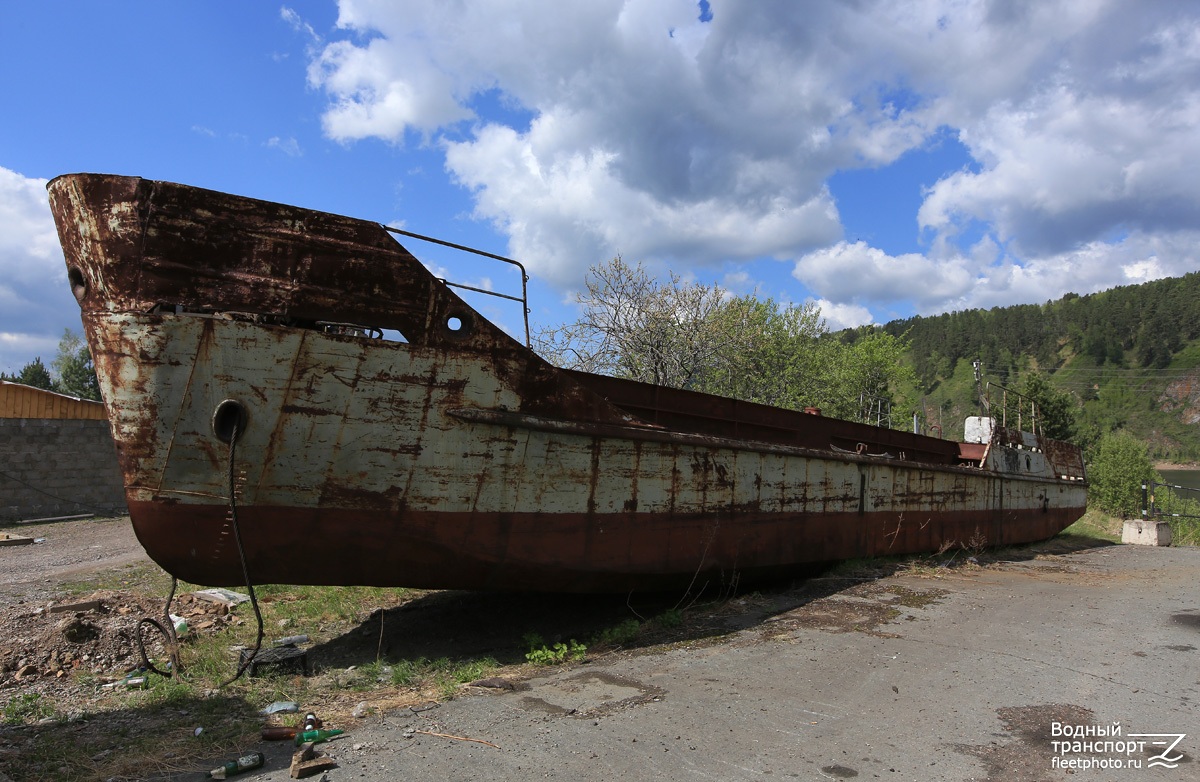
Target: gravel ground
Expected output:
[923,676]
[68,550]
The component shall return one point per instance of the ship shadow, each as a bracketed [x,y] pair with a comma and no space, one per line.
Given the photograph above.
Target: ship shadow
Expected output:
[505,627]
[179,738]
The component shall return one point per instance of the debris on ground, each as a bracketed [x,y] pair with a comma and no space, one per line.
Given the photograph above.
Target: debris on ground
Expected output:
[226,597]
[244,763]
[281,707]
[62,649]
[307,762]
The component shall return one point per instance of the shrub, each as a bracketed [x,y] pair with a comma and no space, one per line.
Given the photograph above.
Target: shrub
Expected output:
[1119,466]
[559,653]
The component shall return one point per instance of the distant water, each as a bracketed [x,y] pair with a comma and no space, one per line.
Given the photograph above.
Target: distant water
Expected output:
[1189,478]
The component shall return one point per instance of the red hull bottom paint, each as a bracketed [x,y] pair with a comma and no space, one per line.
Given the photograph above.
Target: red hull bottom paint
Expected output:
[613,553]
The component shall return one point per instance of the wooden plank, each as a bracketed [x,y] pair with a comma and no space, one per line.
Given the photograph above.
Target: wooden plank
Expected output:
[18,401]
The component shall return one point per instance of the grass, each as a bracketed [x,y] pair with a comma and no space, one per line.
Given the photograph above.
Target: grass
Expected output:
[621,634]
[1185,530]
[1098,525]
[26,707]
[144,578]
[442,676]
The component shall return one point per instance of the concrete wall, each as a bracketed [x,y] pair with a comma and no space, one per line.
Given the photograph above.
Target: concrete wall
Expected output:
[57,467]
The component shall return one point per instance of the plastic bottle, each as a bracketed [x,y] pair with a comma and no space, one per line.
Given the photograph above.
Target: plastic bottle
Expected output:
[244,763]
[317,736]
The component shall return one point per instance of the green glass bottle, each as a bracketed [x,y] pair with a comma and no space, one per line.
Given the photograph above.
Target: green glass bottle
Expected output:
[316,736]
[244,763]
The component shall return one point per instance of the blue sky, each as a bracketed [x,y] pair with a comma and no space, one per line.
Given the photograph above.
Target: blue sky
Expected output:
[880,159]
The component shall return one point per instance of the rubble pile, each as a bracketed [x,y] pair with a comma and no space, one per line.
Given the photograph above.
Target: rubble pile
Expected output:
[80,643]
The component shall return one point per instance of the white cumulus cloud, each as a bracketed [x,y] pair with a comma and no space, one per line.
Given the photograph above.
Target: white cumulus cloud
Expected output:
[635,127]
[35,301]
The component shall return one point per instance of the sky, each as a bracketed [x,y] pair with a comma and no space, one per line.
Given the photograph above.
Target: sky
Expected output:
[880,159]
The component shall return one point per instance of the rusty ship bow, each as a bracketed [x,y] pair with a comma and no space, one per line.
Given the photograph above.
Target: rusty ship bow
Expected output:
[378,430]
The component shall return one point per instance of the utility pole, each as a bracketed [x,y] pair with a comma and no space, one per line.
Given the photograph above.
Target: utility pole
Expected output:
[983,402]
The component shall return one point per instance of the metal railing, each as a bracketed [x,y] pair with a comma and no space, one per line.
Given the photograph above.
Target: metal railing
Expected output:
[1174,503]
[875,410]
[524,297]
[1014,403]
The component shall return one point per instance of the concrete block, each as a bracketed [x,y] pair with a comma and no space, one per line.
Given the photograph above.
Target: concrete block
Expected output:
[1146,533]
[979,429]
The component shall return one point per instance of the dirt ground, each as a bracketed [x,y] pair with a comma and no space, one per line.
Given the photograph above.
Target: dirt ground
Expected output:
[41,640]
[65,550]
[51,633]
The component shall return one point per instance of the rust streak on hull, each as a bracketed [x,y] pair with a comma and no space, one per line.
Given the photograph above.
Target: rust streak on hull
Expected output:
[458,457]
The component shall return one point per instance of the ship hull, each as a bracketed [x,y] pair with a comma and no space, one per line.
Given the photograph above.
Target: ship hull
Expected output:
[543,552]
[457,458]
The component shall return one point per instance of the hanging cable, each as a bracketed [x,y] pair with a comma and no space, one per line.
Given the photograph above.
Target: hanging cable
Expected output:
[167,630]
[237,536]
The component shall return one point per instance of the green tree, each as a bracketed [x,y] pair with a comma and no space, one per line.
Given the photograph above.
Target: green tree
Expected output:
[688,335]
[33,374]
[866,374]
[1057,410]
[74,368]
[777,357]
[1118,468]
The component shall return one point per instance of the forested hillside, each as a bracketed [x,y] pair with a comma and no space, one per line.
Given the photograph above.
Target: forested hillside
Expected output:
[1130,357]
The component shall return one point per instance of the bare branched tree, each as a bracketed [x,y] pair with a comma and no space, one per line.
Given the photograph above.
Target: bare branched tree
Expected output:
[634,326]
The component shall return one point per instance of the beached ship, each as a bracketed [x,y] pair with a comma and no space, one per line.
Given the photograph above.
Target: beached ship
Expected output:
[452,455]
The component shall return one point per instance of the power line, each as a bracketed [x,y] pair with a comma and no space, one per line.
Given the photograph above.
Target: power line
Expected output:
[1128,372]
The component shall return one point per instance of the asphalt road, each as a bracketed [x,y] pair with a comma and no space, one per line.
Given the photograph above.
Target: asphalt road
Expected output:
[947,675]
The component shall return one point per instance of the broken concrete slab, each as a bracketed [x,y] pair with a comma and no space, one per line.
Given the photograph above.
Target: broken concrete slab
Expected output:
[9,539]
[77,607]
[223,596]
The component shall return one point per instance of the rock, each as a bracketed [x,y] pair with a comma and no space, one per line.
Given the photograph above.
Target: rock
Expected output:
[361,710]
[78,631]
[225,597]
[493,682]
